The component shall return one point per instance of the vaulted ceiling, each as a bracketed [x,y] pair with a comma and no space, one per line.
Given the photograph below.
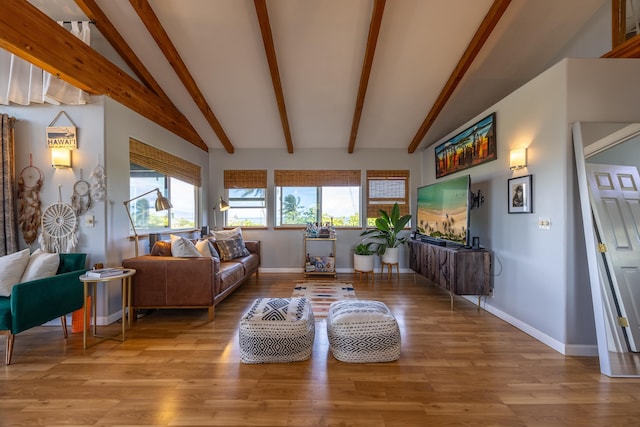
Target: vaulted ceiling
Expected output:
[297,74]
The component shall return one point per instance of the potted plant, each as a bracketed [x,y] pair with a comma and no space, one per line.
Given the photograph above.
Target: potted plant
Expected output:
[387,233]
[363,256]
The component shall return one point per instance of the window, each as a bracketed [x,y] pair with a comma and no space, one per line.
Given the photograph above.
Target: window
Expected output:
[384,189]
[320,196]
[246,190]
[177,179]
[181,194]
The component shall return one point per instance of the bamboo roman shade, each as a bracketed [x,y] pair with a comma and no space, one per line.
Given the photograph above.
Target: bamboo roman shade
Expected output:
[164,163]
[245,179]
[384,189]
[317,178]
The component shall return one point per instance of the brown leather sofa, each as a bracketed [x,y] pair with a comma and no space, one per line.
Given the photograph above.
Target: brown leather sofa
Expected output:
[163,281]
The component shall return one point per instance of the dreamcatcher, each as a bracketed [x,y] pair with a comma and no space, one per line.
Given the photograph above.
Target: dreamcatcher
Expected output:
[81,199]
[99,186]
[59,227]
[29,185]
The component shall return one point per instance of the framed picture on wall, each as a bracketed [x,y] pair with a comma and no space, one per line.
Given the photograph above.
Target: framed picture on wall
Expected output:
[471,147]
[520,194]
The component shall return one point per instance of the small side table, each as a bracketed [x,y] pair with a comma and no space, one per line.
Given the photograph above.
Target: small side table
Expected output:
[87,281]
[389,269]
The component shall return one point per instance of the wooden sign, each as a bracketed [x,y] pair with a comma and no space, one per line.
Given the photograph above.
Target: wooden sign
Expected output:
[62,137]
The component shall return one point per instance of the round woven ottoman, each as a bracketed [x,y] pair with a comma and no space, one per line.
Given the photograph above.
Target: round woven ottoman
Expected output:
[277,330]
[362,331]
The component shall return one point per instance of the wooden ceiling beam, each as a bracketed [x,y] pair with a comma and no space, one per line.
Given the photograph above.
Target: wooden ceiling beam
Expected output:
[269,49]
[30,34]
[106,28]
[155,28]
[480,37]
[627,49]
[372,40]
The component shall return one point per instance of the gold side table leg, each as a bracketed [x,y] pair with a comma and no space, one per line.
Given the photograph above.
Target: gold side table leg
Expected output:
[95,309]
[129,313]
[84,316]
[124,306]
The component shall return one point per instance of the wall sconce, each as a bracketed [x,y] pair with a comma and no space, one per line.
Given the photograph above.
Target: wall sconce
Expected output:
[60,158]
[223,206]
[518,158]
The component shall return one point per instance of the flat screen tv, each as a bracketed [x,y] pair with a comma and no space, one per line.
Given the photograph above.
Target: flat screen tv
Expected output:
[443,211]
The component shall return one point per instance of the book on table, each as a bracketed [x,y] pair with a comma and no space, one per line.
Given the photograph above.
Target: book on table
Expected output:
[105,272]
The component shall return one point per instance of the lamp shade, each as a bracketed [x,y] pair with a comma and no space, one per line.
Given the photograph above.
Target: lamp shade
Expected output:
[518,158]
[224,206]
[60,158]
[162,203]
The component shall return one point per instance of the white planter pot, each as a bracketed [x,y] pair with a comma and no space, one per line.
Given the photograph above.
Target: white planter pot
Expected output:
[390,256]
[363,263]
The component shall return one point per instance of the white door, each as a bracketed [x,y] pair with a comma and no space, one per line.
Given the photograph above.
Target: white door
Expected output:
[615,200]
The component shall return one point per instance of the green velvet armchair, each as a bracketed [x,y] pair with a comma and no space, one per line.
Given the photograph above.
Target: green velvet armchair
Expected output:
[39,301]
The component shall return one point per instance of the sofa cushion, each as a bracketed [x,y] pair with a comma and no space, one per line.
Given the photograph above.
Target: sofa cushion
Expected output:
[41,264]
[250,262]
[232,248]
[183,248]
[12,267]
[227,234]
[205,247]
[230,273]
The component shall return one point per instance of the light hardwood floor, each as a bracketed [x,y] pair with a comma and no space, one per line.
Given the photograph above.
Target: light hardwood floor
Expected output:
[462,367]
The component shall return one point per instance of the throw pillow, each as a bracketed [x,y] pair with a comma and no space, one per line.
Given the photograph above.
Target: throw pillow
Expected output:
[12,267]
[41,264]
[205,247]
[182,247]
[161,248]
[228,234]
[232,248]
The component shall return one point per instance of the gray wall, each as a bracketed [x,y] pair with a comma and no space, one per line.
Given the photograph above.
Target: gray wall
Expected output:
[282,249]
[540,276]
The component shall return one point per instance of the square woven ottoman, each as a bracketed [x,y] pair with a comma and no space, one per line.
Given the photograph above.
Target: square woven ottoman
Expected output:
[363,331]
[277,330]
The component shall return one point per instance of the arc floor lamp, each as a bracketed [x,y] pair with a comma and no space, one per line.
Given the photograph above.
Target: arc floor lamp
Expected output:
[162,204]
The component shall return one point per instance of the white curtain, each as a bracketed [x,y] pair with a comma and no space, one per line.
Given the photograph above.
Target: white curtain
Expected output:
[23,83]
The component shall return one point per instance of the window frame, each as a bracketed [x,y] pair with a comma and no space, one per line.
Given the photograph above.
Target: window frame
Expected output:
[319,180]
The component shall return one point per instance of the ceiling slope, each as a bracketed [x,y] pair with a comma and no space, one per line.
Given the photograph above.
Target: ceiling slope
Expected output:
[31,35]
[449,60]
[150,20]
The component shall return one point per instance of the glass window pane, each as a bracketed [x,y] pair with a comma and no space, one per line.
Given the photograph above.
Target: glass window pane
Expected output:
[247,208]
[182,196]
[341,206]
[296,205]
[143,209]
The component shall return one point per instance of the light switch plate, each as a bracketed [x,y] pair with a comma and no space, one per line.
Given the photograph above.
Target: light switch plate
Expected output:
[89,221]
[544,223]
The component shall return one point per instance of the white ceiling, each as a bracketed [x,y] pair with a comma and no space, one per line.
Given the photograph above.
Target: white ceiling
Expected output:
[320,47]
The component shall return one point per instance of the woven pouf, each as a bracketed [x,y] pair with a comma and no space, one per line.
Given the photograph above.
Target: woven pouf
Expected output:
[362,331]
[277,330]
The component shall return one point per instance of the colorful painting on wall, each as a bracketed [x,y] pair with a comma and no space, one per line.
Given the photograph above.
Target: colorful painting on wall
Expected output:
[471,147]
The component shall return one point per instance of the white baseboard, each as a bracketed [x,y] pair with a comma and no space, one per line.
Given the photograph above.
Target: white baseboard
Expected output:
[565,349]
[338,270]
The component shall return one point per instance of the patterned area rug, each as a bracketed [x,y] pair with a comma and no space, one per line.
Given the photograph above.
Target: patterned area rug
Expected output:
[322,294]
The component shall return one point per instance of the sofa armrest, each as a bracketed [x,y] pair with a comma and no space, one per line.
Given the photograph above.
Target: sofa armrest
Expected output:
[39,301]
[253,246]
